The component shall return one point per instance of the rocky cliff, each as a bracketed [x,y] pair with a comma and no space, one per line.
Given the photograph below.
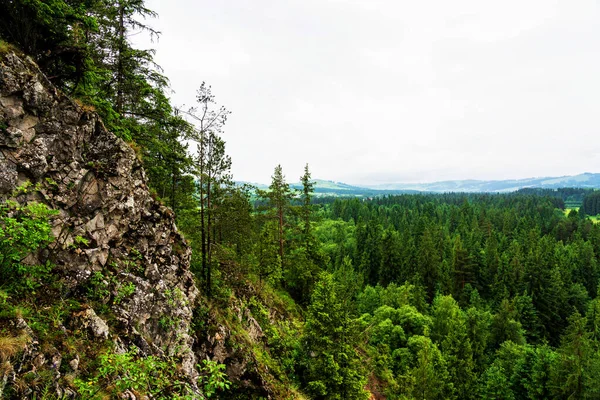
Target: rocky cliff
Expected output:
[116,248]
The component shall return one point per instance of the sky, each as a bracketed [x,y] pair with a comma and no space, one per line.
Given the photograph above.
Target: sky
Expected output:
[382,91]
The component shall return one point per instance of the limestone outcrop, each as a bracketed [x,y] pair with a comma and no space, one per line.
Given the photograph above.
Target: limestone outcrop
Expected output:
[109,230]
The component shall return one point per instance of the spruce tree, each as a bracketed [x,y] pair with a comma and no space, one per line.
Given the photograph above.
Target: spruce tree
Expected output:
[332,364]
[571,377]
[450,332]
[308,188]
[495,384]
[267,262]
[279,197]
[430,376]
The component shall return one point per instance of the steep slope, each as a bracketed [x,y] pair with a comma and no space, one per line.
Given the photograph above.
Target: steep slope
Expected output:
[119,262]
[119,313]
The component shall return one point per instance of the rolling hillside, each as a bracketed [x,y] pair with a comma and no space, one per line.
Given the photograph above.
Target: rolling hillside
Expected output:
[585,180]
[332,188]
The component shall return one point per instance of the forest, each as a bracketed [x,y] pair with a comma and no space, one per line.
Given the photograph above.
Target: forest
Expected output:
[414,296]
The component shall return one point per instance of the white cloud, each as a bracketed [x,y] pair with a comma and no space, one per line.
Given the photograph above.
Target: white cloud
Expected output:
[393,91]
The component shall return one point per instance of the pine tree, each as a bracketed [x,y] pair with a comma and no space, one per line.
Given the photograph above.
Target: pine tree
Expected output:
[212,169]
[333,369]
[495,384]
[308,188]
[450,332]
[430,375]
[571,378]
[428,262]
[368,250]
[53,32]
[234,219]
[305,259]
[167,161]
[391,260]
[478,329]
[279,196]
[463,268]
[539,384]
[505,325]
[593,322]
[526,315]
[134,78]
[268,263]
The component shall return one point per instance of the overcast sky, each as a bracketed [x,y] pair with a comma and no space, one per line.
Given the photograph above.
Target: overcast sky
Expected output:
[374,91]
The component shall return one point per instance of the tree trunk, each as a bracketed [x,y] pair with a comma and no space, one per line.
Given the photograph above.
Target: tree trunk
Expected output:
[280,212]
[173,184]
[120,50]
[202,218]
[208,237]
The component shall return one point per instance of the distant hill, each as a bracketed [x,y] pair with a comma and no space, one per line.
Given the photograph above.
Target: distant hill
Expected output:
[332,188]
[586,180]
[322,184]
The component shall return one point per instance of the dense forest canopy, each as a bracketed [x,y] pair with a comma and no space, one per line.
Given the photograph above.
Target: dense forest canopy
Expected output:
[422,296]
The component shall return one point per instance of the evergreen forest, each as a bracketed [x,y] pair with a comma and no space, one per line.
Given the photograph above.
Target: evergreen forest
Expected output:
[413,296]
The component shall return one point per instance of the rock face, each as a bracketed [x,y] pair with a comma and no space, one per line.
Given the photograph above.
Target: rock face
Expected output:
[108,223]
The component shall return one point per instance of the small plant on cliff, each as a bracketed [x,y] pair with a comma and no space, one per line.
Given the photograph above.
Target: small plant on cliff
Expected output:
[23,230]
[79,241]
[9,346]
[117,373]
[5,47]
[123,291]
[214,379]
[99,287]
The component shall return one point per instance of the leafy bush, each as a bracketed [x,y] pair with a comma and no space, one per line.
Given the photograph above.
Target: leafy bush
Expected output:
[117,373]
[213,378]
[23,230]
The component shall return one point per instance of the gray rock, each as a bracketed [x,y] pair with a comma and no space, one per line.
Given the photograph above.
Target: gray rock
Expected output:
[11,137]
[99,187]
[74,363]
[8,176]
[93,323]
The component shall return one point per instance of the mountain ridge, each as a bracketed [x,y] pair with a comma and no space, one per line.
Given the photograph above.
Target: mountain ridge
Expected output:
[584,180]
[331,187]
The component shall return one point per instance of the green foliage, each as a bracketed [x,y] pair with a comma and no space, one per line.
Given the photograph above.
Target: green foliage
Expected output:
[465,295]
[51,32]
[213,378]
[99,286]
[591,203]
[430,379]
[331,361]
[495,384]
[119,372]
[267,263]
[577,362]
[84,47]
[4,47]
[23,230]
[450,332]
[124,290]
[79,241]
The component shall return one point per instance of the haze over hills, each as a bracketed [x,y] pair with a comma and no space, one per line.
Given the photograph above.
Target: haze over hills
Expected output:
[585,180]
[332,188]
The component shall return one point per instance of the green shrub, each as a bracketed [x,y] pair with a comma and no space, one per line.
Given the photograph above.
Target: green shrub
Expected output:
[213,379]
[150,376]
[99,287]
[23,230]
[124,291]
